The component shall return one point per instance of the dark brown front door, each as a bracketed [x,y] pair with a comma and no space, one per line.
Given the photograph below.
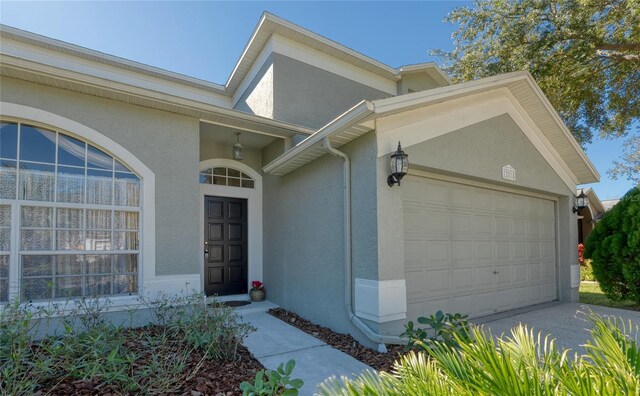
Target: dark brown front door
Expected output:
[225,239]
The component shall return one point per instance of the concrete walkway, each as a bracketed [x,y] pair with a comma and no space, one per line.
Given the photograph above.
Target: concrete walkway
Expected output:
[562,320]
[276,342]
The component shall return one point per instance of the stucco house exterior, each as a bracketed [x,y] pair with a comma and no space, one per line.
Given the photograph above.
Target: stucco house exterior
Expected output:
[118,178]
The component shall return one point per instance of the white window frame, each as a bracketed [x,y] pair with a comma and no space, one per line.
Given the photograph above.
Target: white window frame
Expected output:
[146,256]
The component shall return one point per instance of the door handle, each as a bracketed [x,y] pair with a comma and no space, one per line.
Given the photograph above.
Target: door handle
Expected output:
[206,247]
[495,272]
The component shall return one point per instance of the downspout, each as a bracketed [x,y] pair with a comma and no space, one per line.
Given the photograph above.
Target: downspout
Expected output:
[380,339]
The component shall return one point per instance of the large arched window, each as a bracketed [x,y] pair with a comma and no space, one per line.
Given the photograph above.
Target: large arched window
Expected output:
[69,217]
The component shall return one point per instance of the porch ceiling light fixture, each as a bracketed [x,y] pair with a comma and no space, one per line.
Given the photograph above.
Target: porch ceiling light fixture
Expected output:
[581,202]
[238,150]
[398,166]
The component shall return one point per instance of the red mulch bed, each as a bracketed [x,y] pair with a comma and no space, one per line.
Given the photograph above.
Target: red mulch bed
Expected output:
[342,342]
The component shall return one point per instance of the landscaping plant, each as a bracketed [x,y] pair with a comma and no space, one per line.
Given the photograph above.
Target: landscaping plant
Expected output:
[614,249]
[273,382]
[446,328]
[96,353]
[523,363]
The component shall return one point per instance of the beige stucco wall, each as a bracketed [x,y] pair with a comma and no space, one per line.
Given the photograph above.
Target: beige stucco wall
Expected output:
[165,142]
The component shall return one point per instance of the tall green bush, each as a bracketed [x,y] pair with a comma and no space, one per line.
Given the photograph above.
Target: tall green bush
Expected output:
[614,248]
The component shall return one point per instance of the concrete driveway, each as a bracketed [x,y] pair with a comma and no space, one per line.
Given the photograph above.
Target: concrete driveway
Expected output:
[562,320]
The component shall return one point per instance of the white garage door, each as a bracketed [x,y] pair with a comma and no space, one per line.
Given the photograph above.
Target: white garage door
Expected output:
[474,250]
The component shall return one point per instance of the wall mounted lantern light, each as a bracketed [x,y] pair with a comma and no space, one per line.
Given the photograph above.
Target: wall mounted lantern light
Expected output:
[398,166]
[238,150]
[581,202]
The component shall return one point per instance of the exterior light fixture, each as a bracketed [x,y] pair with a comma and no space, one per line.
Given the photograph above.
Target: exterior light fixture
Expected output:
[398,166]
[238,150]
[581,202]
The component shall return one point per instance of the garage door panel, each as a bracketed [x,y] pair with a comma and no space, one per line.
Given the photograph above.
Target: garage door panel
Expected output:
[547,229]
[504,275]
[502,226]
[519,273]
[438,252]
[437,281]
[518,250]
[432,306]
[416,282]
[534,272]
[533,250]
[461,223]
[533,228]
[436,222]
[484,251]
[501,203]
[461,197]
[483,200]
[503,250]
[518,206]
[462,253]
[548,212]
[503,299]
[462,278]
[474,250]
[414,254]
[482,225]
[519,227]
[534,207]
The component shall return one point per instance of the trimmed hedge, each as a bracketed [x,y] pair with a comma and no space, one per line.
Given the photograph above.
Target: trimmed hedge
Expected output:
[614,248]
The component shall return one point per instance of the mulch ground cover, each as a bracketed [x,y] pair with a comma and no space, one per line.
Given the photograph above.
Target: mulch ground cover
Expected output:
[211,377]
[342,342]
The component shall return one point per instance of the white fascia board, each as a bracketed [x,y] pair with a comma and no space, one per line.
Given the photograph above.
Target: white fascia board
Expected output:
[253,72]
[14,52]
[556,117]
[29,38]
[385,107]
[295,50]
[430,67]
[75,77]
[353,116]
[329,43]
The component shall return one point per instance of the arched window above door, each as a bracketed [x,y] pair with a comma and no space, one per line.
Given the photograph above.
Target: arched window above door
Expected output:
[225,176]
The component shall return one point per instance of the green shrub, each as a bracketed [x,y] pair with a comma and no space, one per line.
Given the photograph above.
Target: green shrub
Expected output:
[614,248]
[443,328]
[151,360]
[586,271]
[522,364]
[273,382]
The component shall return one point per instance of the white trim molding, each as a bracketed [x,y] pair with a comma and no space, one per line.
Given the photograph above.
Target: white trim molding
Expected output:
[147,268]
[381,300]
[254,207]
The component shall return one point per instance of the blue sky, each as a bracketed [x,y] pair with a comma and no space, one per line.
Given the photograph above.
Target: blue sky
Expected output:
[205,39]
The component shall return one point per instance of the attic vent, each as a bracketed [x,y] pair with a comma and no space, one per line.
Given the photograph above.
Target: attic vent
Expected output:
[508,173]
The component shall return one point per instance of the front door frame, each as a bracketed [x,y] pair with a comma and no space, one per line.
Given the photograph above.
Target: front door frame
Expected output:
[254,219]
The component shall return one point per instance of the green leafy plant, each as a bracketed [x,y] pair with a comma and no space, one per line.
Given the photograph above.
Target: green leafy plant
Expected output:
[273,382]
[586,272]
[614,249]
[444,327]
[522,363]
[85,345]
